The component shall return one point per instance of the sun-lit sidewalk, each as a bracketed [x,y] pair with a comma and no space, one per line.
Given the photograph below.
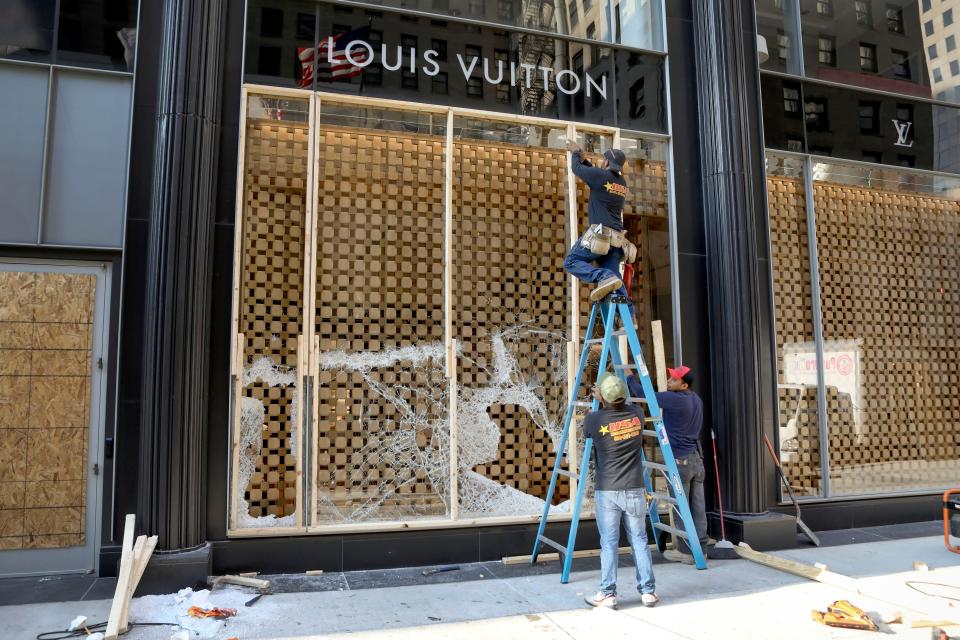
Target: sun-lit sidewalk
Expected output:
[733,599]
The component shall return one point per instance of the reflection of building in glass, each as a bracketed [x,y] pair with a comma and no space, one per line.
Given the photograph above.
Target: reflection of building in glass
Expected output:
[941,30]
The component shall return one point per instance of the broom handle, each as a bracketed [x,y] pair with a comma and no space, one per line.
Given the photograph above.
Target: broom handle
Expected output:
[716,473]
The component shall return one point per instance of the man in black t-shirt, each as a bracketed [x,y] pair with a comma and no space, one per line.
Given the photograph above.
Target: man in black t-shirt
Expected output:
[616,430]
[597,254]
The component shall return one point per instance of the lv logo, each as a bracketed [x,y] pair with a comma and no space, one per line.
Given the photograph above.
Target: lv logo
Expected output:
[903,131]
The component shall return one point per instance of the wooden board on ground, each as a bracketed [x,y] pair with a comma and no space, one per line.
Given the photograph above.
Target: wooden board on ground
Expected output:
[551,557]
[256,583]
[134,558]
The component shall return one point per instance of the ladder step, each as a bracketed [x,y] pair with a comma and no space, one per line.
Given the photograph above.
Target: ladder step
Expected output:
[656,466]
[665,527]
[625,366]
[662,497]
[650,433]
[593,341]
[550,543]
[568,474]
[583,403]
[637,400]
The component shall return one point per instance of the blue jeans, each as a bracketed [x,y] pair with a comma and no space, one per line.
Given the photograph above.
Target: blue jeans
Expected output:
[631,505]
[580,264]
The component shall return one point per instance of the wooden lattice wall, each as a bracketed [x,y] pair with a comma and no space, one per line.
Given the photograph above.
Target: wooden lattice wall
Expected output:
[46,343]
[379,268]
[510,237]
[888,263]
[271,298]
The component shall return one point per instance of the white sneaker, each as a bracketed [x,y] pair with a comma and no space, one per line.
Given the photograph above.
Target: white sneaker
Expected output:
[600,600]
[649,599]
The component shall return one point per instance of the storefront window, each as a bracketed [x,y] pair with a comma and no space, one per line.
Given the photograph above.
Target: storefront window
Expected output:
[887,243]
[797,381]
[778,31]
[26,29]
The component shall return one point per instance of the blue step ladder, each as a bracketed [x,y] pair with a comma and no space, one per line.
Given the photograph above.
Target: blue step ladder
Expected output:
[609,309]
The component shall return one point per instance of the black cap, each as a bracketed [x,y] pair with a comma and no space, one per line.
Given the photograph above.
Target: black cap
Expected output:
[616,158]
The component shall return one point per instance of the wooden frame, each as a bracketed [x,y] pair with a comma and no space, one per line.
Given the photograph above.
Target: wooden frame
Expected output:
[309,341]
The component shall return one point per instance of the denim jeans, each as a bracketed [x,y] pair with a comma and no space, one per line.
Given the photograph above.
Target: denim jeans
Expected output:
[692,474]
[580,264]
[631,505]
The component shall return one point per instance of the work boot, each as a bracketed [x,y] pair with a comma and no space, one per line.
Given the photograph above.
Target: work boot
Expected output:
[605,288]
[600,600]
[649,599]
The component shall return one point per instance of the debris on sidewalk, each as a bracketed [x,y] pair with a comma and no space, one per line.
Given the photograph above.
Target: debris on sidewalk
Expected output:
[176,607]
[430,572]
[241,581]
[845,614]
[78,623]
[215,612]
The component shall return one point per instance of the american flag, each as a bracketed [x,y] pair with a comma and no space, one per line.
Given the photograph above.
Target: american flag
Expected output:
[316,59]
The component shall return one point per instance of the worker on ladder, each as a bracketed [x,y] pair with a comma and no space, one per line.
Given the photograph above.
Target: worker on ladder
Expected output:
[616,430]
[597,254]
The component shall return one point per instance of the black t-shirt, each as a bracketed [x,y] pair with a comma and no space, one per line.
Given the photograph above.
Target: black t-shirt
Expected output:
[608,191]
[617,445]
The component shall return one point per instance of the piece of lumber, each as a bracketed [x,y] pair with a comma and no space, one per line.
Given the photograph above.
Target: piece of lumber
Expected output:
[124,576]
[659,355]
[798,568]
[314,572]
[551,557]
[249,574]
[256,583]
[138,548]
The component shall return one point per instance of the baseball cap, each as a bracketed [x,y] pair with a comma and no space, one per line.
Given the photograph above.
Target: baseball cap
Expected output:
[616,158]
[612,388]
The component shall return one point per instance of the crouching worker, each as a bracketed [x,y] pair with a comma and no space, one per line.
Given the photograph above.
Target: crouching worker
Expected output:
[616,432]
[596,257]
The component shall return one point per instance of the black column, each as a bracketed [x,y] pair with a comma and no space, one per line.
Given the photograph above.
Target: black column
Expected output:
[171,498]
[734,208]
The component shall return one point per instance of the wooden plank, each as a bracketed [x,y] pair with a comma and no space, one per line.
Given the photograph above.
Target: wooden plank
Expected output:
[142,552]
[659,357]
[256,583]
[454,436]
[236,491]
[811,572]
[315,426]
[124,575]
[553,557]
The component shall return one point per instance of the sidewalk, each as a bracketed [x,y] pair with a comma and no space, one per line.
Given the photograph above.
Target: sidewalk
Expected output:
[733,599]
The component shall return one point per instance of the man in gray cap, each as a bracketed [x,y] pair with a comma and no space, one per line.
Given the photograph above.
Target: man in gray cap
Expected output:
[616,430]
[596,257]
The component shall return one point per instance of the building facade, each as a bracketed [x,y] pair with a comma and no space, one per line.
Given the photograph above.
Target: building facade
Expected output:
[284,277]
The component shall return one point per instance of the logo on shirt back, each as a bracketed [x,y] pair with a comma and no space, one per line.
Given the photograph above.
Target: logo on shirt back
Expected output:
[622,429]
[616,189]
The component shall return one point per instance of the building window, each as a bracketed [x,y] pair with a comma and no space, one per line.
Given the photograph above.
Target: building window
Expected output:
[475,82]
[815,112]
[954,68]
[791,101]
[868,57]
[778,5]
[268,61]
[440,46]
[408,79]
[439,84]
[271,23]
[869,117]
[504,88]
[305,26]
[905,160]
[948,17]
[864,16]
[932,52]
[475,7]
[928,27]
[586,6]
[901,64]
[951,43]
[828,50]
[894,19]
[937,76]
[825,7]
[926,5]
[783,47]
[905,112]
[872,156]
[574,17]
[794,144]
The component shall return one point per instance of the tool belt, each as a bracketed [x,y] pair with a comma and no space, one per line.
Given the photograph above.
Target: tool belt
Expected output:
[598,239]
